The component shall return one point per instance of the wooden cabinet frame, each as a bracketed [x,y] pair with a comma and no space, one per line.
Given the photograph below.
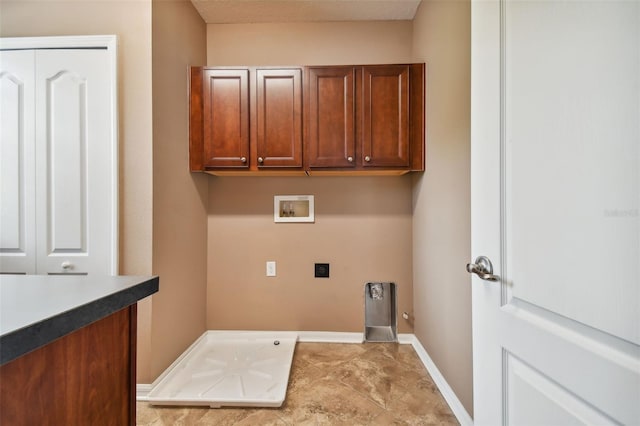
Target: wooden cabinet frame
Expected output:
[336,120]
[245,119]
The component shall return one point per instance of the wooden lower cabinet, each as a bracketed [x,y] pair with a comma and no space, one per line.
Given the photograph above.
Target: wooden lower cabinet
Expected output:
[87,377]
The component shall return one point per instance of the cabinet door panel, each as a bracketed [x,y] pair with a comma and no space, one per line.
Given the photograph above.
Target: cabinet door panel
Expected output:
[17,164]
[279,116]
[226,118]
[331,132]
[385,131]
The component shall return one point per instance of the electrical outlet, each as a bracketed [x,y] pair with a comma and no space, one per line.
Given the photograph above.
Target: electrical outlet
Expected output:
[271,268]
[321,270]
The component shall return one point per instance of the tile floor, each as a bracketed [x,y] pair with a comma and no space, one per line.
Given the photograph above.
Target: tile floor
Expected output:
[334,384]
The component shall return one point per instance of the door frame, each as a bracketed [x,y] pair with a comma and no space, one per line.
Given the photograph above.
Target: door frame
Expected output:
[108,43]
[486,125]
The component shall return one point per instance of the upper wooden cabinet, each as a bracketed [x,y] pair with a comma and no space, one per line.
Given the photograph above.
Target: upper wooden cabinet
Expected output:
[385,116]
[330,117]
[226,118]
[245,119]
[356,119]
[279,121]
[365,118]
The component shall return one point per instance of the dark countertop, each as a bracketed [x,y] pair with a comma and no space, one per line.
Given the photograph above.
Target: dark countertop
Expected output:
[37,309]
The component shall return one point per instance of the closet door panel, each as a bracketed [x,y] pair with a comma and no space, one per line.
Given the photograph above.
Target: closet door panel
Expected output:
[17,163]
[66,116]
[74,160]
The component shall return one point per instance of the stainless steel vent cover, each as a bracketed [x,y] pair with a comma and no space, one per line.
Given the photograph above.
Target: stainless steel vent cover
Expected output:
[380,312]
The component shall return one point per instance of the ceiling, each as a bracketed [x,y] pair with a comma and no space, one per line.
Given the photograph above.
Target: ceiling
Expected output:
[252,11]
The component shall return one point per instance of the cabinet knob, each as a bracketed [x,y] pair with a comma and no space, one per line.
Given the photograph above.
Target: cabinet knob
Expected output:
[66,265]
[243,159]
[350,159]
[367,158]
[260,160]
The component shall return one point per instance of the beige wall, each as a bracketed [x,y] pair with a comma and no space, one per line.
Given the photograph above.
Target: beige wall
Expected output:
[179,197]
[131,22]
[363,225]
[151,155]
[367,228]
[441,196]
[328,43]
[362,228]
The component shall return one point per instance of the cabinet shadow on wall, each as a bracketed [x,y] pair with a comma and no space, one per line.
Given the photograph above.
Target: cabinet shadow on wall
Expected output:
[343,195]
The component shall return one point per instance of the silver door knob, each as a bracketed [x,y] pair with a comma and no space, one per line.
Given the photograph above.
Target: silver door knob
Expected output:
[260,160]
[350,159]
[482,268]
[243,159]
[367,158]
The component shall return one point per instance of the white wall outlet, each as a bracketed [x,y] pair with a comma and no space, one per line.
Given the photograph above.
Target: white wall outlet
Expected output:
[271,268]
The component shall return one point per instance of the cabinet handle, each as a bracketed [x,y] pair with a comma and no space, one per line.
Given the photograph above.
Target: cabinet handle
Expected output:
[66,265]
[243,159]
[260,160]
[350,159]
[367,158]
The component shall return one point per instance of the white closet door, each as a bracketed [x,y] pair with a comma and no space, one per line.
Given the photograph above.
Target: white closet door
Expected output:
[17,163]
[74,161]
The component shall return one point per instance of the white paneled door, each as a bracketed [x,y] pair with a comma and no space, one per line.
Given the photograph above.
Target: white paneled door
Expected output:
[17,162]
[555,199]
[59,163]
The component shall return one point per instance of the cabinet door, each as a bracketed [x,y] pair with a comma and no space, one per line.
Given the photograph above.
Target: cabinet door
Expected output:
[226,118]
[75,183]
[385,116]
[331,134]
[17,162]
[279,117]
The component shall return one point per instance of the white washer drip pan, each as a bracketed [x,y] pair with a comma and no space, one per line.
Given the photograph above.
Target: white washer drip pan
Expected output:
[229,368]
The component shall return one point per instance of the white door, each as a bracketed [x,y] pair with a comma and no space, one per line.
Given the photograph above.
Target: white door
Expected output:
[59,180]
[17,162]
[555,199]
[73,159]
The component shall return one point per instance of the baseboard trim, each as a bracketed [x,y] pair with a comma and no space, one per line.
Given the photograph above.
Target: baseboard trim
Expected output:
[329,337]
[142,389]
[449,395]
